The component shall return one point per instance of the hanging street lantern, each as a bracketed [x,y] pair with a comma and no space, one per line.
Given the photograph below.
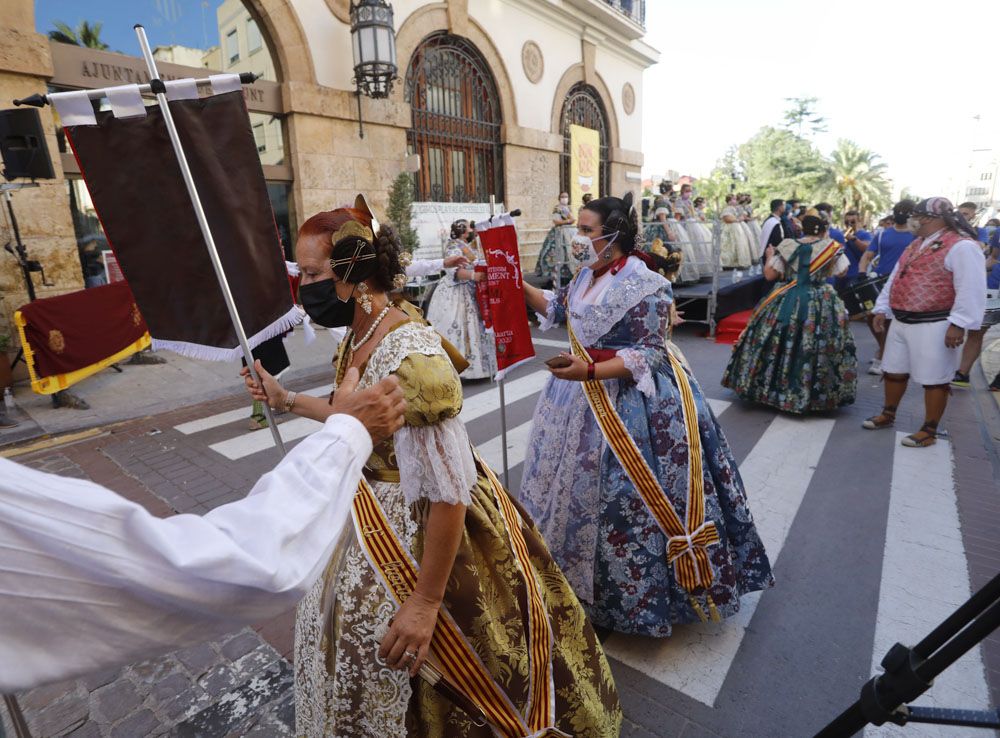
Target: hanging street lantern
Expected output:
[373,40]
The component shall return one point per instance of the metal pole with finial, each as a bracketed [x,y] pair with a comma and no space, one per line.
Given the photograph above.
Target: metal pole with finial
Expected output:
[503,399]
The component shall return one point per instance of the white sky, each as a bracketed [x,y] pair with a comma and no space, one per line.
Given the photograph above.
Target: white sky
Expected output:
[903,79]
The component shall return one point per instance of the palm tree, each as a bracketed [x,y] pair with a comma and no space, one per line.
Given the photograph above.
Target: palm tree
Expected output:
[859,179]
[85,34]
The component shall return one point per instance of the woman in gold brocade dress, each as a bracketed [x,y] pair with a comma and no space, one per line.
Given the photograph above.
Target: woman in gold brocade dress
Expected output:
[357,654]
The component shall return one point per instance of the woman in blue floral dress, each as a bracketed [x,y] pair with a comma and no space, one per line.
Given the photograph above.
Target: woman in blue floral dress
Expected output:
[797,353]
[600,529]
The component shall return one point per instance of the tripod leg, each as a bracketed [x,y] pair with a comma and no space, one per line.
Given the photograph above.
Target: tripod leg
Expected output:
[16,717]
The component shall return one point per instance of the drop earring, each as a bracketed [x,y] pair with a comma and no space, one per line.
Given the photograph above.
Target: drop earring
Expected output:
[364,299]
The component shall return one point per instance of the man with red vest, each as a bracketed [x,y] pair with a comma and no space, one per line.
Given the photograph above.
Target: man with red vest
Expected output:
[936,293]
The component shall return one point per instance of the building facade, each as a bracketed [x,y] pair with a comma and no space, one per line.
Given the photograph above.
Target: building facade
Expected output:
[486,93]
[980,185]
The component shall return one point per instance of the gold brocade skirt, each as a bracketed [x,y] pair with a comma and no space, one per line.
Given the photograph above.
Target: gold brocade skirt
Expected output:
[342,688]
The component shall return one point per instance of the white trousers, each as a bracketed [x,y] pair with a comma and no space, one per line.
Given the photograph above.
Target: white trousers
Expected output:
[918,349]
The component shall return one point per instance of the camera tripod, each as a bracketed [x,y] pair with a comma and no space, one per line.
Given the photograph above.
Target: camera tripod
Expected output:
[909,672]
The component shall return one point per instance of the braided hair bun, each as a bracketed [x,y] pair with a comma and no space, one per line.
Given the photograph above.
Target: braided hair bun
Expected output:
[358,255]
[618,215]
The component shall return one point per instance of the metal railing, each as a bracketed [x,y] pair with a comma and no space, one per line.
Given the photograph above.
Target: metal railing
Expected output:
[634,9]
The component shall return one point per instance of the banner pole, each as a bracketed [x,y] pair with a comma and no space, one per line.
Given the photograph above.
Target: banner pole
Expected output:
[206,231]
[503,399]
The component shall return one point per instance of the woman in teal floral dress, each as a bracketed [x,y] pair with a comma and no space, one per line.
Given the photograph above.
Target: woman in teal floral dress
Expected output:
[797,353]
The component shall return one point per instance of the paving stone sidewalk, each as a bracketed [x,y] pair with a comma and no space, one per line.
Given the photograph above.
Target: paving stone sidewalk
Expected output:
[140,390]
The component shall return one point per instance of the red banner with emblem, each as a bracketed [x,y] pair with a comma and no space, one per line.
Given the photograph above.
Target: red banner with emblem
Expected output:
[70,337]
[505,281]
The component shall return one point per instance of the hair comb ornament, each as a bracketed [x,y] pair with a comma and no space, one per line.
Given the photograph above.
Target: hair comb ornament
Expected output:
[361,203]
[352,229]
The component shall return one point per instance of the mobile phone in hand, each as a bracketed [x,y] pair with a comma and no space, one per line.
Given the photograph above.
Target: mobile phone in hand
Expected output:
[558,362]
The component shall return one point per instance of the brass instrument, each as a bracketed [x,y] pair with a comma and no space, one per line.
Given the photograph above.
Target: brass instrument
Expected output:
[849,233]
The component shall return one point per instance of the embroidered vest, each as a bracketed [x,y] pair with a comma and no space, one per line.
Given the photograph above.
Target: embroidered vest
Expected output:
[922,284]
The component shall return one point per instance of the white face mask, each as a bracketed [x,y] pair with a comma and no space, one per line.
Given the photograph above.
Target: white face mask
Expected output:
[564,201]
[913,225]
[584,251]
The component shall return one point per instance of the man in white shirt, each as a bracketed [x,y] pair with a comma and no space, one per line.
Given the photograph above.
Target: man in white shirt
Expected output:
[772,232]
[90,580]
[936,292]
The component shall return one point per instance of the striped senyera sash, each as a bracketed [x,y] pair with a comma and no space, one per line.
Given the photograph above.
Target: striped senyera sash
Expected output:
[687,544]
[454,656]
[819,261]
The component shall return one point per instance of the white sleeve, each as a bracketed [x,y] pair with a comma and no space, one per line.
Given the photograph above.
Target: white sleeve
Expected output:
[765,236]
[90,580]
[435,461]
[424,267]
[967,264]
[882,303]
[546,321]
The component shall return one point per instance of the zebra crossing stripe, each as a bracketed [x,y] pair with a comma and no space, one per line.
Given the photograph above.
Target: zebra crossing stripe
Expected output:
[485,402]
[231,416]
[924,578]
[254,442]
[697,657]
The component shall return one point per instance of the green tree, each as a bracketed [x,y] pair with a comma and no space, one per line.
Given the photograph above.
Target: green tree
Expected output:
[803,113]
[400,211]
[85,34]
[859,179]
[777,163]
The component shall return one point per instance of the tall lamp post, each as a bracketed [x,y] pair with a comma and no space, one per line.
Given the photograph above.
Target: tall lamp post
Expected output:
[373,41]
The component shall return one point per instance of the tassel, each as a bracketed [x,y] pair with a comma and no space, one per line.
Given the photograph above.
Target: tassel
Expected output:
[698,609]
[716,617]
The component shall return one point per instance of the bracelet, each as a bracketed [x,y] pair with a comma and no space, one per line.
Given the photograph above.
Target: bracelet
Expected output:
[290,400]
[591,371]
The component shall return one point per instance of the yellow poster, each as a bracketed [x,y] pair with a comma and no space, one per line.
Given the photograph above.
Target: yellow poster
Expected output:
[584,164]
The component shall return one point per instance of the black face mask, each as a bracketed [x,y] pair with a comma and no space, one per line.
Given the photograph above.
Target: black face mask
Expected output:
[324,307]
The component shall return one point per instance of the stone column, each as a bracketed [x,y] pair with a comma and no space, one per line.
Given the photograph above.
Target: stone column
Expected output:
[330,161]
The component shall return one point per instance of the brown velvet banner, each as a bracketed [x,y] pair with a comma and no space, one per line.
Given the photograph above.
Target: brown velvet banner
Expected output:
[69,337]
[136,185]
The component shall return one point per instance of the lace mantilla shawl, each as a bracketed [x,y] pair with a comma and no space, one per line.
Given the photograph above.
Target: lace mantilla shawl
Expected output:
[634,283]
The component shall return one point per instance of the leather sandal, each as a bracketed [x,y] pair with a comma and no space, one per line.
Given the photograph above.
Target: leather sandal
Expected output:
[885,419]
[926,436]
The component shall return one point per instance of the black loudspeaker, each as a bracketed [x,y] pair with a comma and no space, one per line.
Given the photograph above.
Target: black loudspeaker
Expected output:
[22,144]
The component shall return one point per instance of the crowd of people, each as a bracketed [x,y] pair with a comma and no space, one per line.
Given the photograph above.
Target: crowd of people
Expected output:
[919,280]
[453,607]
[631,516]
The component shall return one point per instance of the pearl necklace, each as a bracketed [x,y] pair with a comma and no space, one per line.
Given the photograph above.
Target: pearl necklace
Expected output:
[357,344]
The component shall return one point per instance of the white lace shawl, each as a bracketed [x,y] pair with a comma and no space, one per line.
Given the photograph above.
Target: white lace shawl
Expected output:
[631,285]
[435,461]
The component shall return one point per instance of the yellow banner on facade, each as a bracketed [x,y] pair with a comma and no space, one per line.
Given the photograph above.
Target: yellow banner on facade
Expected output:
[584,164]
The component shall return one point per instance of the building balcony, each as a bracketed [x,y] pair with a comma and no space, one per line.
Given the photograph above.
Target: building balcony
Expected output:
[627,17]
[632,9]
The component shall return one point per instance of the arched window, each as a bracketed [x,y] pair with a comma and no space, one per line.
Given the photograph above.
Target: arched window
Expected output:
[456,122]
[583,107]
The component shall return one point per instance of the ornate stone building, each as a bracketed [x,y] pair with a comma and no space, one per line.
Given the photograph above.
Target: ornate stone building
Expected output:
[486,92]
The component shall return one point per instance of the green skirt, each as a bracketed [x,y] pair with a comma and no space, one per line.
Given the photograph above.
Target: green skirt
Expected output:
[797,366]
